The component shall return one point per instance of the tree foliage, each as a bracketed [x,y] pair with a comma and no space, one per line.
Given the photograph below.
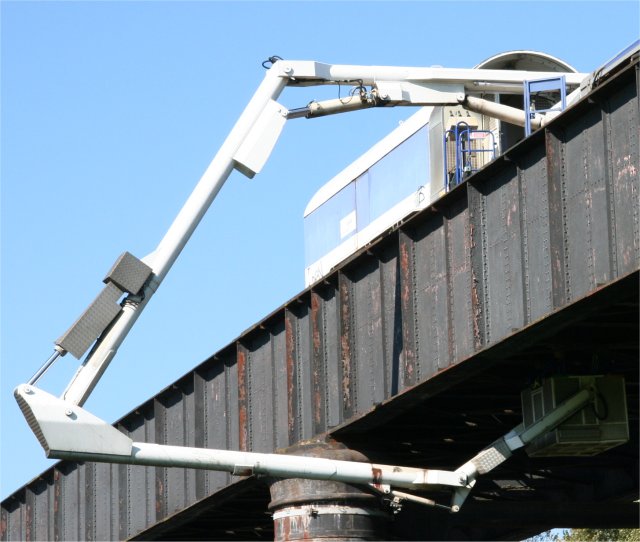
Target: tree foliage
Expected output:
[601,535]
[588,535]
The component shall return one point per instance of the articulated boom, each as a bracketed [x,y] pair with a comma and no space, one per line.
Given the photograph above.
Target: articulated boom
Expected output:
[67,431]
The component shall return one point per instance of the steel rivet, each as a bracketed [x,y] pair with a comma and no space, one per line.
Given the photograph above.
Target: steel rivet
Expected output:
[68,412]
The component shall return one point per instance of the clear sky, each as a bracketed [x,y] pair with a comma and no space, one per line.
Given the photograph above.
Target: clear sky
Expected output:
[110,113]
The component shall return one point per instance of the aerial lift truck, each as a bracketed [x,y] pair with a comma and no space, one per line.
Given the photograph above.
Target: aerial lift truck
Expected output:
[67,431]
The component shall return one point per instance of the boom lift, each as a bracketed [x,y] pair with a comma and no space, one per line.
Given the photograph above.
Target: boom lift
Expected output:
[67,431]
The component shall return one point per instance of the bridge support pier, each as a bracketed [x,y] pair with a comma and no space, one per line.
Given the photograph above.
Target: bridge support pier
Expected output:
[326,510]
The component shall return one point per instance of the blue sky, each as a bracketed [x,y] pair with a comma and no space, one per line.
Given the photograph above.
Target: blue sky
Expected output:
[110,113]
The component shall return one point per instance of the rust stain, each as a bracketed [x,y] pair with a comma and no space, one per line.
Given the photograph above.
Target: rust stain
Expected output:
[550,148]
[588,200]
[626,168]
[377,477]
[477,312]
[28,522]
[404,268]
[346,369]
[315,321]
[510,212]
[56,491]
[160,492]
[242,399]
[376,308]
[557,262]
[409,365]
[291,528]
[345,345]
[317,398]
[407,309]
[304,524]
[317,352]
[472,243]
[291,368]
[476,307]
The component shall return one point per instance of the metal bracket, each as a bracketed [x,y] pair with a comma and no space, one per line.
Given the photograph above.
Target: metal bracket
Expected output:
[64,429]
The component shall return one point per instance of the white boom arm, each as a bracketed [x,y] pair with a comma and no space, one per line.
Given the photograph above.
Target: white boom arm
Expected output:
[248,147]
[66,431]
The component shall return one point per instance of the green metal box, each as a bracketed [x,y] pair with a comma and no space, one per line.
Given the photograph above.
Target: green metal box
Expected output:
[599,426]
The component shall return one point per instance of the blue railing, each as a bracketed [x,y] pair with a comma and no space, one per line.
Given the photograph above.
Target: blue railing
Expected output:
[464,136]
[543,85]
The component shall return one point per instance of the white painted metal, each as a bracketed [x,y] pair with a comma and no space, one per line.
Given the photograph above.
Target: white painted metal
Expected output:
[518,437]
[337,105]
[512,115]
[47,364]
[527,60]
[399,93]
[365,161]
[175,239]
[556,416]
[255,149]
[245,150]
[291,466]
[62,427]
[413,203]
[473,80]
[67,431]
